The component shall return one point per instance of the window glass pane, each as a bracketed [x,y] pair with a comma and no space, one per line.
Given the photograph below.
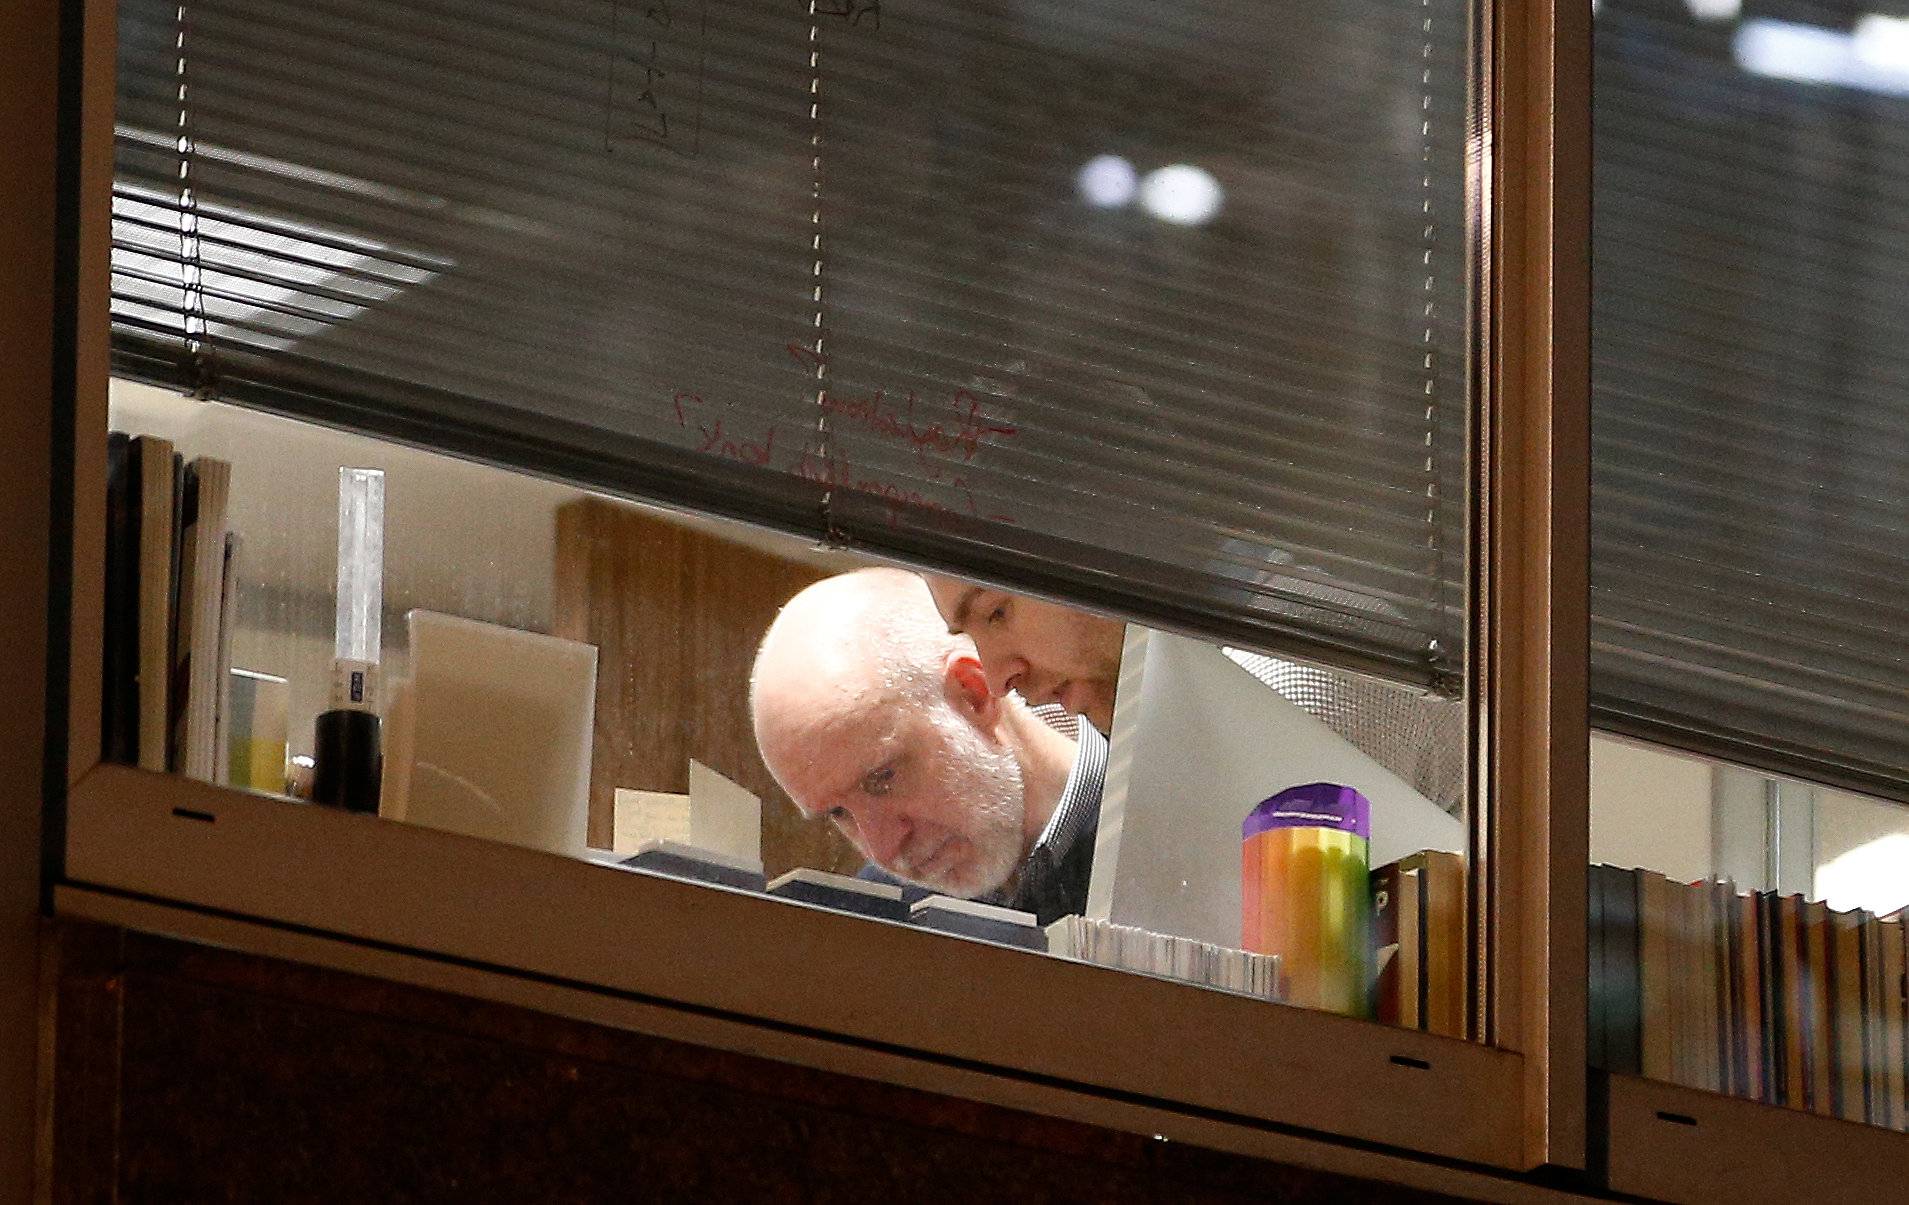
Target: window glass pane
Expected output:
[1173,297]
[1749,444]
[1747,933]
[654,691]
[1750,437]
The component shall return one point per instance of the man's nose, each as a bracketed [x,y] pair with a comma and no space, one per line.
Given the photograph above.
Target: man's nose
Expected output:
[884,836]
[1003,671]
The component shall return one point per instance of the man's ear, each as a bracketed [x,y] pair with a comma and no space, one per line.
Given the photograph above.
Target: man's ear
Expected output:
[966,685]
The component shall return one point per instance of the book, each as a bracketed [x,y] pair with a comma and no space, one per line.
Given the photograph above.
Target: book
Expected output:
[843,893]
[1385,942]
[1623,1044]
[1399,941]
[222,701]
[984,922]
[1747,999]
[1598,993]
[683,861]
[1411,979]
[1847,1040]
[119,684]
[1658,1015]
[179,659]
[1891,1007]
[1818,1019]
[198,605]
[152,467]
[1443,950]
[1706,1065]
[1787,976]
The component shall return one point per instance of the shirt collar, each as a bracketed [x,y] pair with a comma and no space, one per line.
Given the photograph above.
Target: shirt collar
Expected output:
[1078,810]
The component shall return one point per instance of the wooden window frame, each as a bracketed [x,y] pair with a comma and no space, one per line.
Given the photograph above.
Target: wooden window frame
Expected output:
[168,854]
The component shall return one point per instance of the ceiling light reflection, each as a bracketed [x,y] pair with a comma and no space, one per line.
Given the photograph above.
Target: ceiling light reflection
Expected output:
[1182,194]
[1108,181]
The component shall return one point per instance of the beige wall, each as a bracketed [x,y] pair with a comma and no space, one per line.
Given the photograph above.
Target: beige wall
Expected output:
[1649,808]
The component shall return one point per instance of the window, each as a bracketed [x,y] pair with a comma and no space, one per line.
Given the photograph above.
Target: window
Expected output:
[1747,550]
[880,283]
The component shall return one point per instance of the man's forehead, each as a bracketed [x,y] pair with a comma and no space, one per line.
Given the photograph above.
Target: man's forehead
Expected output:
[955,600]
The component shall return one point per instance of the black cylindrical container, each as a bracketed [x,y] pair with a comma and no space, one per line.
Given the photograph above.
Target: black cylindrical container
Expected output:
[349,760]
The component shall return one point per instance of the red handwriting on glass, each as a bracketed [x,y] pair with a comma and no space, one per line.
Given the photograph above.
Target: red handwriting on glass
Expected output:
[717,434]
[719,441]
[880,416]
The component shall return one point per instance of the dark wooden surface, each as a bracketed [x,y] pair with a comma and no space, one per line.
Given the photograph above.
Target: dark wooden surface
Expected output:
[191,1074]
[676,615]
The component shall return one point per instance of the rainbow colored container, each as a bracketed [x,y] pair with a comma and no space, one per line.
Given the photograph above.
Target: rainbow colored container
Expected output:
[1304,894]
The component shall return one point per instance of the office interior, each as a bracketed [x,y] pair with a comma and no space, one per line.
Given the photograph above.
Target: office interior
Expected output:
[567,900]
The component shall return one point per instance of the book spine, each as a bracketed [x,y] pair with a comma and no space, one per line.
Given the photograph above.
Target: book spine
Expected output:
[119,685]
[1657,1018]
[1818,1018]
[1385,941]
[1411,902]
[203,605]
[1846,1016]
[152,655]
[185,592]
[1621,956]
[1597,1039]
[1891,1007]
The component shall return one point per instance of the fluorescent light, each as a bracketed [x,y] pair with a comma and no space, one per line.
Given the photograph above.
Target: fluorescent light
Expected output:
[1714,10]
[1875,58]
[1181,194]
[1107,181]
[1882,42]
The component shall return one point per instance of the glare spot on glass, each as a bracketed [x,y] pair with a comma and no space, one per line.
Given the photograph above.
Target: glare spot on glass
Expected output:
[1182,194]
[1812,54]
[1874,876]
[1713,10]
[1883,42]
[1107,181]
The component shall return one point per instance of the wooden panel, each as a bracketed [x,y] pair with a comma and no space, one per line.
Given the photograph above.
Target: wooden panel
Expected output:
[970,1005]
[1674,1143]
[1532,651]
[244,1078]
[676,614]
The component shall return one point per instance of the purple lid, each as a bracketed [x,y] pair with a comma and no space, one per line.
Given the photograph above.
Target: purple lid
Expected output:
[1315,805]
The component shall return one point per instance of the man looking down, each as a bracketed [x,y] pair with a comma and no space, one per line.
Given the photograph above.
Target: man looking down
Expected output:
[1043,651]
[869,712]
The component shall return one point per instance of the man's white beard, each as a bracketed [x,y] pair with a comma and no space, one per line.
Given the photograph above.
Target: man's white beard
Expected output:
[988,783]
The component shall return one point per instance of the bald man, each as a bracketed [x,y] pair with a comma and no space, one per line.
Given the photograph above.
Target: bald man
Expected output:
[1043,651]
[870,713]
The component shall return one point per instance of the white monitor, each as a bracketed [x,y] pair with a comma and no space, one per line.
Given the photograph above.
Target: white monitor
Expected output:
[1198,742]
[494,735]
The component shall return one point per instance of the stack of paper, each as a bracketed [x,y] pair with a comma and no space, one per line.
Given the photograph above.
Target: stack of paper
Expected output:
[1183,958]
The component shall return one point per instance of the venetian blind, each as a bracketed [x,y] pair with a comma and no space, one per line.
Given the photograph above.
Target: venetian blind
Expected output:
[1750,438]
[1157,307]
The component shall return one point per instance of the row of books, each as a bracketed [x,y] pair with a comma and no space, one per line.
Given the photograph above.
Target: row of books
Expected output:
[1418,922]
[1766,996]
[170,584]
